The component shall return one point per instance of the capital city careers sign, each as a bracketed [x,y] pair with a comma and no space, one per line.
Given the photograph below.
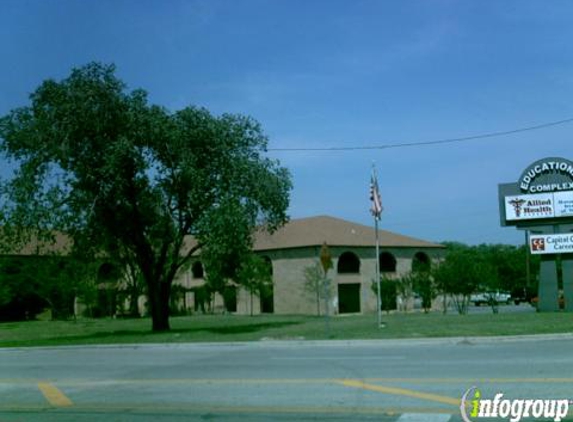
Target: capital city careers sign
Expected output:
[551,243]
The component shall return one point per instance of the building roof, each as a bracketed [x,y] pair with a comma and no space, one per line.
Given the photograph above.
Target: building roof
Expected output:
[56,244]
[314,231]
[299,233]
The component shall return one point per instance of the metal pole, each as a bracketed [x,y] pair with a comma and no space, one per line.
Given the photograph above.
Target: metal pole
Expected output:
[326,261]
[527,264]
[379,296]
[326,304]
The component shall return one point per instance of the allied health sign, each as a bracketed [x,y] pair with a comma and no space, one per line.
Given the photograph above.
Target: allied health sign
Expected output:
[551,243]
[542,205]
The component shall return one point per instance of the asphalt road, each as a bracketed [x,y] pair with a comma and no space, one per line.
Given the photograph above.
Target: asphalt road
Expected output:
[407,380]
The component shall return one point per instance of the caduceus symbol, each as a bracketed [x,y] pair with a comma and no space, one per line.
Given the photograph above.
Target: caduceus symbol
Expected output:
[517,205]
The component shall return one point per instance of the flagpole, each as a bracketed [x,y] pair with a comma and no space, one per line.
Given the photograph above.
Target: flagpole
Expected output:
[376,212]
[379,297]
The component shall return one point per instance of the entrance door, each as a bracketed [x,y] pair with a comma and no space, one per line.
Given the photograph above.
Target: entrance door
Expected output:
[267,300]
[349,298]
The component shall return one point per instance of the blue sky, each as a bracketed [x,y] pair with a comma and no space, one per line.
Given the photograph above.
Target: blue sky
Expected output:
[326,73]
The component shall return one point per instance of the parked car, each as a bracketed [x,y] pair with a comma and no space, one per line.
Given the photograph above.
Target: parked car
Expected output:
[488,298]
[523,295]
[561,301]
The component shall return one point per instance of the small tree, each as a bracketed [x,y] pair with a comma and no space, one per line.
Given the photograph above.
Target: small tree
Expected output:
[326,263]
[255,276]
[404,290]
[388,292]
[464,271]
[316,283]
[131,281]
[425,286]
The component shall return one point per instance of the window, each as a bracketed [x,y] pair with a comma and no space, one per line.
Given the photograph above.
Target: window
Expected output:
[108,273]
[197,270]
[387,263]
[420,262]
[348,263]
[269,263]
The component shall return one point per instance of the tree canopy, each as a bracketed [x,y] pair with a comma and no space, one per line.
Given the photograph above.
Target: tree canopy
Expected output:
[123,177]
[483,268]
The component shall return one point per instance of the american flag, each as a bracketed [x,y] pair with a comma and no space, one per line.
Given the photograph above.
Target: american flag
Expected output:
[376,207]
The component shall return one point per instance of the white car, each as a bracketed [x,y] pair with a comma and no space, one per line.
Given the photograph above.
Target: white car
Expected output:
[488,297]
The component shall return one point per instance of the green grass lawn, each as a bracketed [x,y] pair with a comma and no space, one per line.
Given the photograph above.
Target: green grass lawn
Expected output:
[220,328]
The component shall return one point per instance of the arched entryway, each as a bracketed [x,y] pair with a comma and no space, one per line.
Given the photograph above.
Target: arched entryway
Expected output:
[348,293]
[266,293]
[348,263]
[421,262]
[387,262]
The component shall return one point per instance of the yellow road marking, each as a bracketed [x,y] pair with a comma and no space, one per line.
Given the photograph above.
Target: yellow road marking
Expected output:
[401,392]
[54,396]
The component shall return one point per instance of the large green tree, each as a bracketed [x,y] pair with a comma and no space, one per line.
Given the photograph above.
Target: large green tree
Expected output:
[123,177]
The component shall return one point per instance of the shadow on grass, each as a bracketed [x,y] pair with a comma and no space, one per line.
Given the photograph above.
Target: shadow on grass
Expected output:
[141,335]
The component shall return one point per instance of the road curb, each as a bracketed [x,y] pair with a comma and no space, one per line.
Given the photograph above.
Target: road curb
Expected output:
[272,343]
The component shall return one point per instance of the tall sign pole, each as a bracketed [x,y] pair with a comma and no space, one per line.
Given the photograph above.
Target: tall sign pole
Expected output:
[376,210]
[527,265]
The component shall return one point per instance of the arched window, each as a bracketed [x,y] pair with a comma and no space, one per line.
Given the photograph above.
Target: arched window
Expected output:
[108,272]
[348,263]
[420,262]
[269,263]
[387,263]
[197,270]
[106,300]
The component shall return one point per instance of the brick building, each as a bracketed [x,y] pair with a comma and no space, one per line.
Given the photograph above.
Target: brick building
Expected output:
[297,245]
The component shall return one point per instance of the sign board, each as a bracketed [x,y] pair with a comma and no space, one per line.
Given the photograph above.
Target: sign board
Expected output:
[551,243]
[547,175]
[541,201]
[563,204]
[528,207]
[541,205]
[542,195]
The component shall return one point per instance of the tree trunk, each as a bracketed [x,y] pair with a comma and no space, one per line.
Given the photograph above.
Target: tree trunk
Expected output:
[134,302]
[159,305]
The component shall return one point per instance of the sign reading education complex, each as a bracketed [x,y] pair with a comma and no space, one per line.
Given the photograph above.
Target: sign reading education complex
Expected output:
[548,166]
[541,203]
[544,191]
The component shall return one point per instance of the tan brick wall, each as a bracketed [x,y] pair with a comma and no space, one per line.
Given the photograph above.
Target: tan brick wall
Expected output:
[290,295]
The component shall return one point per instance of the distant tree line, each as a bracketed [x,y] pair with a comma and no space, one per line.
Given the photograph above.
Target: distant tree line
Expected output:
[29,285]
[464,271]
[63,285]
